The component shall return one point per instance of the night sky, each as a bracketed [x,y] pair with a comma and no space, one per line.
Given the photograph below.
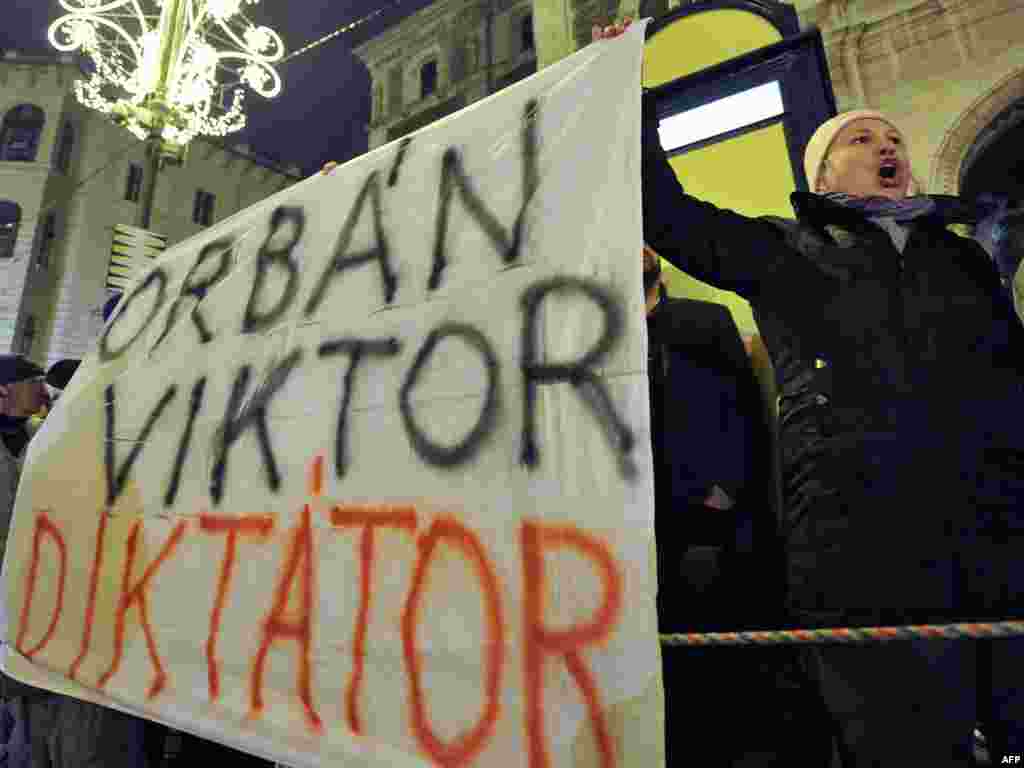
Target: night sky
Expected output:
[325,105]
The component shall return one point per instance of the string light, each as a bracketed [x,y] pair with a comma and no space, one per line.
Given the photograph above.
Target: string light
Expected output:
[168,73]
[342,30]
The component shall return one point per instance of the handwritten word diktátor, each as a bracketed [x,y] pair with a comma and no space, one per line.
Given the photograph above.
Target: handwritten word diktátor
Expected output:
[290,618]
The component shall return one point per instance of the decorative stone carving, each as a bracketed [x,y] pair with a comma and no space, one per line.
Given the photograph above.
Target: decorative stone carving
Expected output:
[945,175]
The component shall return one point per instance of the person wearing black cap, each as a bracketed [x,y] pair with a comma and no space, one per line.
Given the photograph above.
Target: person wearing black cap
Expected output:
[22,394]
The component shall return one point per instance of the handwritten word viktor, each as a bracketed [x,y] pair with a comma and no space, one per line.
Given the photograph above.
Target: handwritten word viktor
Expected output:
[289,616]
[276,257]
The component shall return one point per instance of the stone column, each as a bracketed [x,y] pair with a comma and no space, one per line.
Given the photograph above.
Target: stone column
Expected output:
[13,283]
[553,30]
[561,27]
[76,322]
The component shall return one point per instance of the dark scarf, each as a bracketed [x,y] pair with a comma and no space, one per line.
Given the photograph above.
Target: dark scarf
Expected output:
[987,214]
[900,211]
[14,433]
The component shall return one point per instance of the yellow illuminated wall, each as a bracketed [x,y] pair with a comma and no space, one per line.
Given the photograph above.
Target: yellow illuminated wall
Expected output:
[701,40]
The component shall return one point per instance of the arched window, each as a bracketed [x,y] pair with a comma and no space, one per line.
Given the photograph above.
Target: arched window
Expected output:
[994,165]
[526,33]
[19,137]
[65,147]
[10,219]
[428,78]
[995,162]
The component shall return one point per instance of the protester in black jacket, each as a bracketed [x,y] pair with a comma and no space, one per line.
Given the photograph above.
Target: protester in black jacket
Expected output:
[900,367]
[898,359]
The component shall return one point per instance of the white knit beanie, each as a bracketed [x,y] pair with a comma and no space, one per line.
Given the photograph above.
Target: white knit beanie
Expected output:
[821,141]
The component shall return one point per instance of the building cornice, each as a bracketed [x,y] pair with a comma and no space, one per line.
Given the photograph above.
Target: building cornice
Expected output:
[835,15]
[379,46]
[11,56]
[859,46]
[243,152]
[466,84]
[13,167]
[394,41]
[439,96]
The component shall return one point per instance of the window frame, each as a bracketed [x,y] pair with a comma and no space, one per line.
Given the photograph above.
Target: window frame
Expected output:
[65,147]
[424,93]
[47,236]
[7,251]
[33,121]
[133,184]
[207,212]
[526,19]
[799,65]
[202,207]
[27,335]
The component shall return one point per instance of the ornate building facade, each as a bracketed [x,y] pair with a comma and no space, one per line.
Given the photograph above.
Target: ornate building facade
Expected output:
[67,176]
[443,58]
[950,72]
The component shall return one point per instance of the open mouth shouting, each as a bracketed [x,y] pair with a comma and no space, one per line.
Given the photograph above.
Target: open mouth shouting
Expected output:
[889,173]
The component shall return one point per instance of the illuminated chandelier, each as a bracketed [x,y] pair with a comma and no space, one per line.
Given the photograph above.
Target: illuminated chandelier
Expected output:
[170,77]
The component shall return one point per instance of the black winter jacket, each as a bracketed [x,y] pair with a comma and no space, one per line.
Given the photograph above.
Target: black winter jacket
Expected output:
[901,416]
[709,427]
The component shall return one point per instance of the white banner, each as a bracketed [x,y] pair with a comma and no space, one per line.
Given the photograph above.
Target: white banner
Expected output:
[362,474]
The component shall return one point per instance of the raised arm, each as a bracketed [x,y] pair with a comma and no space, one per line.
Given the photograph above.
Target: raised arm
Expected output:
[715,245]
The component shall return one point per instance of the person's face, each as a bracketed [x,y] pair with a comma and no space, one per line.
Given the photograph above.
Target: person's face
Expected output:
[867,158]
[24,398]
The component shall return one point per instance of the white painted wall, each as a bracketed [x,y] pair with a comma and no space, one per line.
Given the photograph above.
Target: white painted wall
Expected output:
[89,201]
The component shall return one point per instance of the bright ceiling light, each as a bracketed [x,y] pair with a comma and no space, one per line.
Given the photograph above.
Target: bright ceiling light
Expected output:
[721,116]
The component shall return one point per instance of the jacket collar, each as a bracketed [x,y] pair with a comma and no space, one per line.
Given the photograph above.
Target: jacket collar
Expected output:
[819,212]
